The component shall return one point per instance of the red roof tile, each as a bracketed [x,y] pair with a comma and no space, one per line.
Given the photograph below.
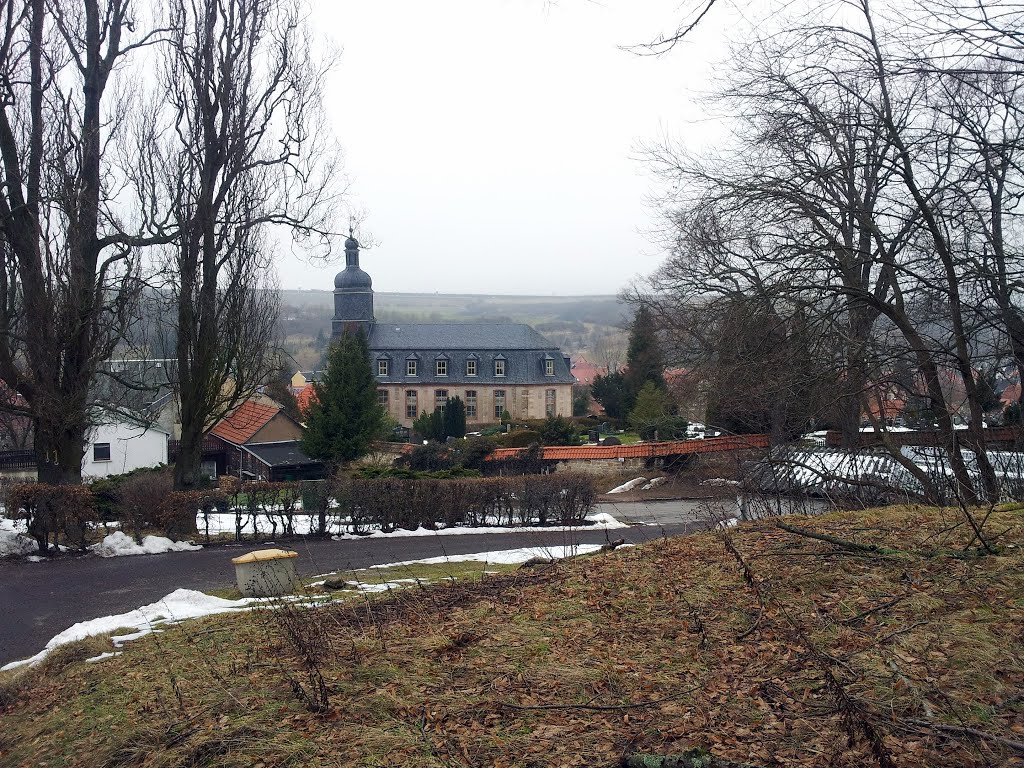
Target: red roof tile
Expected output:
[641,450]
[244,422]
[305,396]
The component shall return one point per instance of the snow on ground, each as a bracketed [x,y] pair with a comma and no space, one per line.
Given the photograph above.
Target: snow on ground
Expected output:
[503,556]
[119,544]
[655,483]
[628,486]
[13,540]
[303,524]
[178,606]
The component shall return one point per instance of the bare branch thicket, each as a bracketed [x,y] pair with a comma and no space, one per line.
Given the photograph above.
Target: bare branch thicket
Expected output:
[872,193]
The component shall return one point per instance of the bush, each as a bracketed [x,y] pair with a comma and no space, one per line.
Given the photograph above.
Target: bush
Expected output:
[138,499]
[393,502]
[557,430]
[521,438]
[53,511]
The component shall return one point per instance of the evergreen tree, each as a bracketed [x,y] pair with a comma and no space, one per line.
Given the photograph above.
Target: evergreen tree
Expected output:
[644,362]
[652,415]
[611,391]
[345,416]
[454,418]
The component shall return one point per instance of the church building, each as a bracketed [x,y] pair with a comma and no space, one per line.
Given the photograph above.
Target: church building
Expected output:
[492,367]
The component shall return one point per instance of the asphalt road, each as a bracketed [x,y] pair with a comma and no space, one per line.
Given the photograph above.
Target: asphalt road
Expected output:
[38,600]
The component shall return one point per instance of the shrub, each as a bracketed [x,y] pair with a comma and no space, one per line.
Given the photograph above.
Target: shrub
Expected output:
[138,499]
[520,438]
[557,430]
[53,511]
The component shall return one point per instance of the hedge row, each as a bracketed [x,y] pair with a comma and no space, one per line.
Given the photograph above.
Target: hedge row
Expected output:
[146,502]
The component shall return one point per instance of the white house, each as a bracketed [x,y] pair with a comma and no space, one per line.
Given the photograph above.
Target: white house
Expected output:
[120,446]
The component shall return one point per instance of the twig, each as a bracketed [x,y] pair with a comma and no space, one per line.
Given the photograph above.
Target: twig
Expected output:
[1016,746]
[864,614]
[841,543]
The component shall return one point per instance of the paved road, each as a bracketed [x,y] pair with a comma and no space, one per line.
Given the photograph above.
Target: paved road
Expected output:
[38,600]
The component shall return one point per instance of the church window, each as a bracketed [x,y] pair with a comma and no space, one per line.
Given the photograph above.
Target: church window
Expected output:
[499,402]
[410,404]
[410,367]
[470,403]
[382,367]
[471,367]
[442,367]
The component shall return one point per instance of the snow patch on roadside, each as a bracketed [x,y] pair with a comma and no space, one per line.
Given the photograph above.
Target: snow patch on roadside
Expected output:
[13,540]
[179,605]
[119,544]
[503,556]
[598,521]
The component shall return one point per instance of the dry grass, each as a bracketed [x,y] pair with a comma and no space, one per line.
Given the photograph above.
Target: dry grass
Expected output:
[581,663]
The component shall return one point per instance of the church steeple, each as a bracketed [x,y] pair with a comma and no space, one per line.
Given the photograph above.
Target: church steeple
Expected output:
[353,293]
[351,250]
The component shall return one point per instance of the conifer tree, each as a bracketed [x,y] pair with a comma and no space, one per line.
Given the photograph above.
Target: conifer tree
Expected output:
[454,418]
[643,358]
[345,416]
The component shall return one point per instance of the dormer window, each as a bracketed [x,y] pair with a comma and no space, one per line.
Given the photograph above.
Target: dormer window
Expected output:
[441,367]
[382,367]
[471,367]
[499,366]
[549,367]
[410,367]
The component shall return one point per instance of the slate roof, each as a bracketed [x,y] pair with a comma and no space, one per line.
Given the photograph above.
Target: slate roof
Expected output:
[244,422]
[523,349]
[285,453]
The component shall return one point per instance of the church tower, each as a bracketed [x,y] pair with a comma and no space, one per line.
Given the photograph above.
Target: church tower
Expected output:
[353,294]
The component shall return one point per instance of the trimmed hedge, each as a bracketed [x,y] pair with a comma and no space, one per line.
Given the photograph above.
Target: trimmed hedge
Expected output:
[66,512]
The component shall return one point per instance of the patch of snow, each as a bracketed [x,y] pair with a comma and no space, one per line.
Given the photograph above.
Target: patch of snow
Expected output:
[628,486]
[655,483]
[16,543]
[119,544]
[605,520]
[179,605]
[720,481]
[102,656]
[384,586]
[503,556]
[600,521]
[729,522]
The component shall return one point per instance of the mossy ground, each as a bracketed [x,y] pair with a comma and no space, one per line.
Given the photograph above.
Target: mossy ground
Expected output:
[844,660]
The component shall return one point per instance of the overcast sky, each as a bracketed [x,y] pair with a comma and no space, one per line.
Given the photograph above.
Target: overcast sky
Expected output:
[492,143]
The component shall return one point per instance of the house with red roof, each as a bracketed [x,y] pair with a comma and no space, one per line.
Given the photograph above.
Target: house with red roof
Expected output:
[259,441]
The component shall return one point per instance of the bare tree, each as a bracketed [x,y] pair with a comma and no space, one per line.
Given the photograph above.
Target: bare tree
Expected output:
[250,154]
[862,188]
[69,242]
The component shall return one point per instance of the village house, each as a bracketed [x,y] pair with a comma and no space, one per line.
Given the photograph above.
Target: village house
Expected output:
[491,367]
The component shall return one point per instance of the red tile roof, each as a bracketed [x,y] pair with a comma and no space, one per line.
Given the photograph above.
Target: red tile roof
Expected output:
[641,450]
[244,422]
[305,396]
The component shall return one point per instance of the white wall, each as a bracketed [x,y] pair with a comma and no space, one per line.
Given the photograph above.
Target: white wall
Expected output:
[131,447]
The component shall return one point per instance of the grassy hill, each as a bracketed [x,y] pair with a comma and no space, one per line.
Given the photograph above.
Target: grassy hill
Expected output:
[764,646]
